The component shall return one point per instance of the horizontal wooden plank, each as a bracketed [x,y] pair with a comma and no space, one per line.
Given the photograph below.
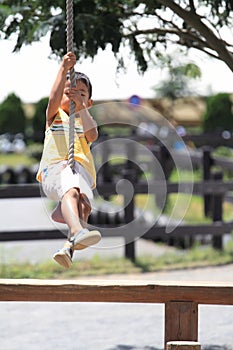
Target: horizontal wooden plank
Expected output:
[28,235]
[215,228]
[148,232]
[115,291]
[21,191]
[155,187]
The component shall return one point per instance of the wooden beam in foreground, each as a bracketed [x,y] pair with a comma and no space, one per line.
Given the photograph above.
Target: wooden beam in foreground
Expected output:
[115,291]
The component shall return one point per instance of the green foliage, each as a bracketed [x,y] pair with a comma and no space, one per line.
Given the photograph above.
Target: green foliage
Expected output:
[219,113]
[98,23]
[180,74]
[223,151]
[12,116]
[220,10]
[38,121]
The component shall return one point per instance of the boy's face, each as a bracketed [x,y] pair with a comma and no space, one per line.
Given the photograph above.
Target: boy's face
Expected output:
[79,94]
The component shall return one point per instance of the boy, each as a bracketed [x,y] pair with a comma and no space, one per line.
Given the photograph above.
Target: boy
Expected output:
[72,189]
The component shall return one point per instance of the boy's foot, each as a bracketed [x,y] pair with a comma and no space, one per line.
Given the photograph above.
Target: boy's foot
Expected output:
[84,239]
[64,257]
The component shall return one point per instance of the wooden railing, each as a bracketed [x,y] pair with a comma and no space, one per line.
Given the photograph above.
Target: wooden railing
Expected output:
[181,299]
[217,228]
[213,190]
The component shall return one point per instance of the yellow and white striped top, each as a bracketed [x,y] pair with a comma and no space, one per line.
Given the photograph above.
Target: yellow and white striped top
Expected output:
[56,145]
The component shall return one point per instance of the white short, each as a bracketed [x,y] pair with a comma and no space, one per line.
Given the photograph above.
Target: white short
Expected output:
[58,178]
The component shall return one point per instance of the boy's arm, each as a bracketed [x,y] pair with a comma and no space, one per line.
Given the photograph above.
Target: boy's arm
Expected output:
[89,125]
[57,91]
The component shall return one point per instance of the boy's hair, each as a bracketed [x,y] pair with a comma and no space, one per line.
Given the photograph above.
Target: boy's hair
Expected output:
[84,78]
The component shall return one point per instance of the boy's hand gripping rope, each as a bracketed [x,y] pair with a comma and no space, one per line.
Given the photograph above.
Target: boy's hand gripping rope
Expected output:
[69,43]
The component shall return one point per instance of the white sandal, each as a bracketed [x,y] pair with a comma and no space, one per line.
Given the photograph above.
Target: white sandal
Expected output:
[84,239]
[64,257]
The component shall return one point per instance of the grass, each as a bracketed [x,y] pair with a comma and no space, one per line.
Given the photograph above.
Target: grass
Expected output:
[198,256]
[14,160]
[49,269]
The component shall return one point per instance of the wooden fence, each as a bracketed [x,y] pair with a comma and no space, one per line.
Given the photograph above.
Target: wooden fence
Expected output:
[181,299]
[213,190]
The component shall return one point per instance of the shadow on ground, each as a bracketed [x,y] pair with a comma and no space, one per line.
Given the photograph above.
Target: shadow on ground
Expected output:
[132,347]
[217,347]
[204,347]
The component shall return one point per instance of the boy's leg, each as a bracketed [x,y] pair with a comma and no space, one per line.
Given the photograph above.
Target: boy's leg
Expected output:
[67,212]
[57,214]
[80,237]
[70,211]
[75,209]
[84,208]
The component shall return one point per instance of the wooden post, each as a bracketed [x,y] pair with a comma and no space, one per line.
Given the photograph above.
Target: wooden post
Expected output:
[130,173]
[217,212]
[166,161]
[181,321]
[129,215]
[206,166]
[106,171]
[183,345]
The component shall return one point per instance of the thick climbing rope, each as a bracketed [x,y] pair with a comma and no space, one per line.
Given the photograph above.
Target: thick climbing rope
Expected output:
[69,44]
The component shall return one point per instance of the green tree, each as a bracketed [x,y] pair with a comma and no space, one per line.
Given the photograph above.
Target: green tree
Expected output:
[147,27]
[38,121]
[219,113]
[12,116]
[180,73]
